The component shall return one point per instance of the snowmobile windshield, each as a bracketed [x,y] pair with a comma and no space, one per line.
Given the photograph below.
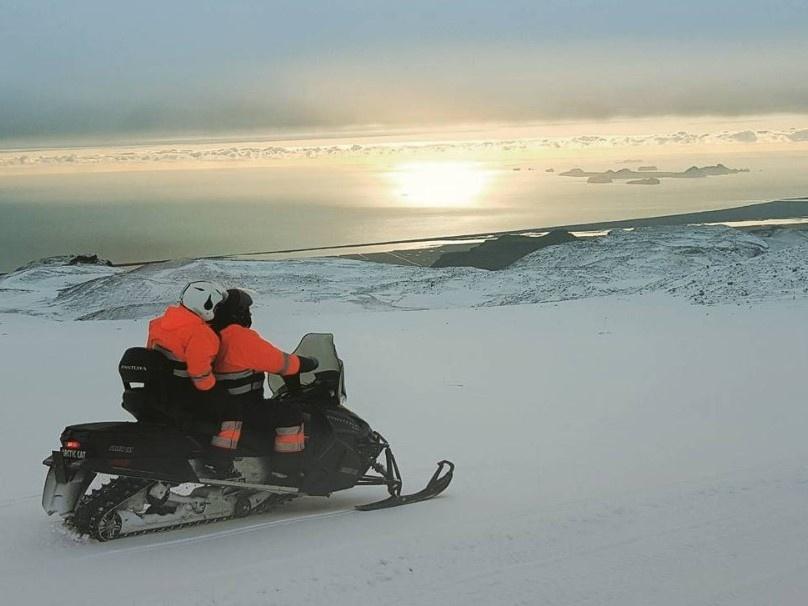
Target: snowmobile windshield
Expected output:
[329,371]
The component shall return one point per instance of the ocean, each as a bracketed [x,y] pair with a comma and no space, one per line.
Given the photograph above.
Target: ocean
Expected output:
[176,210]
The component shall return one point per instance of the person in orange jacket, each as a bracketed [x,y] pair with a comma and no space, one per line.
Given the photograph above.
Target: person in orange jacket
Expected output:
[183,335]
[244,356]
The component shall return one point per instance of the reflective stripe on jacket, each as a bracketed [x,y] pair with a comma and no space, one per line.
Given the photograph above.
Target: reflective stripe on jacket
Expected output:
[186,336]
[242,382]
[244,349]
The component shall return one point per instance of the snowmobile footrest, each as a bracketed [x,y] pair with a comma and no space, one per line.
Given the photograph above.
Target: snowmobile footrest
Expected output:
[436,485]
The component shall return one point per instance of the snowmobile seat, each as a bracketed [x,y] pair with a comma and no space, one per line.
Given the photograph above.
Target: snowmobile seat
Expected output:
[139,449]
[127,439]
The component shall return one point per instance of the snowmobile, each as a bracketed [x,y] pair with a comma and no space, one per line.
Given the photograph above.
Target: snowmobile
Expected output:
[159,475]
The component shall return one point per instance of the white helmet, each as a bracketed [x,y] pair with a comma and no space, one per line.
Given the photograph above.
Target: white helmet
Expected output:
[202,298]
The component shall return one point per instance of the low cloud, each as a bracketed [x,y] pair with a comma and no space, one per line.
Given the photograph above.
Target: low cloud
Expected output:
[235,153]
[745,136]
[800,135]
[426,86]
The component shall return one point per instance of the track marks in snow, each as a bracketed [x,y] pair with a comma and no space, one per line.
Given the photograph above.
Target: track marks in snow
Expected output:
[646,545]
[11,502]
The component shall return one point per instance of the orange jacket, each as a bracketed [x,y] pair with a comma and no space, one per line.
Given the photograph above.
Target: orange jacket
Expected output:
[244,349]
[187,337]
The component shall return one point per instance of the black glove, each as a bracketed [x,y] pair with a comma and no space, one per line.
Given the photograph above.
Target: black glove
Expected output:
[307,364]
[292,382]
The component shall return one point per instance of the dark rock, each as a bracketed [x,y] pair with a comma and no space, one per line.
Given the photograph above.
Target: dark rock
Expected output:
[60,260]
[501,252]
[88,260]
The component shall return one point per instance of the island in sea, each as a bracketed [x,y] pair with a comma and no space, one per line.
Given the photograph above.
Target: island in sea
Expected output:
[649,175]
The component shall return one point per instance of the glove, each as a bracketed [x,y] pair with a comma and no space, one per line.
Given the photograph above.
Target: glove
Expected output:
[292,382]
[307,364]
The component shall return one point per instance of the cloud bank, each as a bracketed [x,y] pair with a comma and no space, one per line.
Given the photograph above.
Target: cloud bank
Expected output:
[96,68]
[241,153]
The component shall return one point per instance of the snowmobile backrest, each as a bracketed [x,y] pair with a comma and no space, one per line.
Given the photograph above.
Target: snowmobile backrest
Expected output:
[145,374]
[142,368]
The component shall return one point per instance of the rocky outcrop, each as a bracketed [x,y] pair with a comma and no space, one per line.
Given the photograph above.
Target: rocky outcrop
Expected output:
[501,252]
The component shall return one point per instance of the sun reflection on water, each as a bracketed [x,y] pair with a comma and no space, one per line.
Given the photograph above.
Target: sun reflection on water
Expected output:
[439,183]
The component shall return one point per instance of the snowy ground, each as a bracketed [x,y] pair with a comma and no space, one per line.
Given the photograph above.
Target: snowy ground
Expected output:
[626,449]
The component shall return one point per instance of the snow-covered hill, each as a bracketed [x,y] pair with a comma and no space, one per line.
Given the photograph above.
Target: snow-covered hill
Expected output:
[620,450]
[706,264]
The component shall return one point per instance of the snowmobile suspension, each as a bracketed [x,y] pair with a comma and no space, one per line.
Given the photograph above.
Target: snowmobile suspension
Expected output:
[389,474]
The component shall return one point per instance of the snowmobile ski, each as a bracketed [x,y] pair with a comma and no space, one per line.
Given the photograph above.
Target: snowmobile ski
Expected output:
[436,485]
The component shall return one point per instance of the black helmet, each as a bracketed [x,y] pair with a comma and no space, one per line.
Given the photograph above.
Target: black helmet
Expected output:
[234,310]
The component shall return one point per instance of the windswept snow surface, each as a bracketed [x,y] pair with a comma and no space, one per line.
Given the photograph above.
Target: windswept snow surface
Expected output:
[626,449]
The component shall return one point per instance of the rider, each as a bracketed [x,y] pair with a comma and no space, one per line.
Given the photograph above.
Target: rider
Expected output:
[243,358]
[182,335]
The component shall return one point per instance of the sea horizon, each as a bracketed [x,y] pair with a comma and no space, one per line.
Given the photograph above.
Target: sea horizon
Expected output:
[131,202]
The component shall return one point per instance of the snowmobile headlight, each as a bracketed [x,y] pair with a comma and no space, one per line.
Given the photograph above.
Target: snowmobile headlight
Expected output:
[72,445]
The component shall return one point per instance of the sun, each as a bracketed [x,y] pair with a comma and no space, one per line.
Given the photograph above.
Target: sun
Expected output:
[439,183]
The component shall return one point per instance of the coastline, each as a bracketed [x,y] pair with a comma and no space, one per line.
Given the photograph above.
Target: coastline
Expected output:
[788,212]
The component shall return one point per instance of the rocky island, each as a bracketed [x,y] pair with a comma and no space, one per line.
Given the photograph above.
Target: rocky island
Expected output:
[648,175]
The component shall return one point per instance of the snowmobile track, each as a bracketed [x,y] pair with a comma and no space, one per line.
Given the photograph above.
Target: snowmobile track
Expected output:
[219,534]
[95,510]
[94,507]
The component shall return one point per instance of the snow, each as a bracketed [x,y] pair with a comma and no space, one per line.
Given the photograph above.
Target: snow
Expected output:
[681,261]
[616,444]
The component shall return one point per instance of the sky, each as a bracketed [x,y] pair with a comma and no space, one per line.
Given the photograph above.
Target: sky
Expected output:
[106,70]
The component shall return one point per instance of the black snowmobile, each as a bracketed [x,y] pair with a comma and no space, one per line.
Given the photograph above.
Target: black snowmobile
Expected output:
[158,476]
